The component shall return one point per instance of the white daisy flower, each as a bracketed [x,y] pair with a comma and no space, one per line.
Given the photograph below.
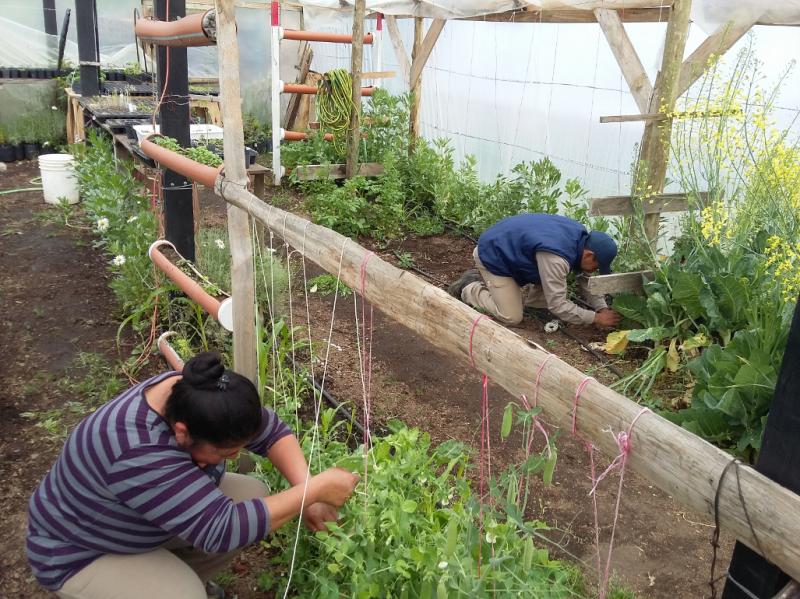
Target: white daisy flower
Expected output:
[220,244]
[118,260]
[443,564]
[102,224]
[491,538]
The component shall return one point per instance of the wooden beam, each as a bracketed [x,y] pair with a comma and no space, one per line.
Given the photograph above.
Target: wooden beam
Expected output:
[309,172]
[627,58]
[678,462]
[356,66]
[425,50]
[416,89]
[379,74]
[306,54]
[623,205]
[718,43]
[631,118]
[399,48]
[651,169]
[239,240]
[626,282]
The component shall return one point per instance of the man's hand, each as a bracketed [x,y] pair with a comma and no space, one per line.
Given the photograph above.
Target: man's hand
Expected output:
[606,318]
[316,515]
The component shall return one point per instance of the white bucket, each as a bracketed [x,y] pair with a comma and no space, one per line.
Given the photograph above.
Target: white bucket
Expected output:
[58,178]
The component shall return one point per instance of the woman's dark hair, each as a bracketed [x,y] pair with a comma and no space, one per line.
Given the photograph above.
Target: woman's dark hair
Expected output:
[217,405]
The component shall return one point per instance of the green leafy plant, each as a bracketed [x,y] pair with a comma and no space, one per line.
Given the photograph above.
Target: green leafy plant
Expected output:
[327,284]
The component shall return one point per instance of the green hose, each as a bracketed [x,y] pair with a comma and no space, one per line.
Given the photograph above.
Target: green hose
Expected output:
[334,104]
[21,189]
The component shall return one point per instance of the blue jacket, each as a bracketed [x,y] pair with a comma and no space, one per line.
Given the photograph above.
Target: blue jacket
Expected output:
[508,247]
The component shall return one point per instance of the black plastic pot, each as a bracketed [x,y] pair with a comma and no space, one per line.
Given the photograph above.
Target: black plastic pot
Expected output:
[13,73]
[7,153]
[249,157]
[32,151]
[19,151]
[5,73]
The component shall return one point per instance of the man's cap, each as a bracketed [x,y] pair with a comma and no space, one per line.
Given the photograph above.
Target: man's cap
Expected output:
[604,248]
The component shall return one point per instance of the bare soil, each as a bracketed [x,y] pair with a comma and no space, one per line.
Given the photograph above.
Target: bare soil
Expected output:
[56,303]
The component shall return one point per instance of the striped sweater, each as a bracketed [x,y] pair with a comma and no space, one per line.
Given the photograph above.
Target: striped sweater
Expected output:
[122,485]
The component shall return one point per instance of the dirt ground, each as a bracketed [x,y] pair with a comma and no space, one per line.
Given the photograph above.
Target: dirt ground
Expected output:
[56,303]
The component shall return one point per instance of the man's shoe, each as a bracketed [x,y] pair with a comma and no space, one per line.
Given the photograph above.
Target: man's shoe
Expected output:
[470,276]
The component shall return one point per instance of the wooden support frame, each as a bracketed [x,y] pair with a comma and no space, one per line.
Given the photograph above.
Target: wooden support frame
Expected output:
[306,55]
[623,205]
[424,51]
[675,460]
[627,58]
[310,172]
[240,241]
[356,66]
[399,49]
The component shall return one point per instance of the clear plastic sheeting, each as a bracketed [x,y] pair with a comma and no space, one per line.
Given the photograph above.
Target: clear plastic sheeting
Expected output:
[708,14]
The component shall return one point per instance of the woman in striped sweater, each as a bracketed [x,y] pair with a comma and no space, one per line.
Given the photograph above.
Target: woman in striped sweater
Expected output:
[138,504]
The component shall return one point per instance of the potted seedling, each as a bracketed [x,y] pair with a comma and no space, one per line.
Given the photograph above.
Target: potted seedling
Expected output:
[133,73]
[6,150]
[15,140]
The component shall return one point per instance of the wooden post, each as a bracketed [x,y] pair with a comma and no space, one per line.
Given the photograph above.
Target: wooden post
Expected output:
[416,89]
[354,134]
[675,460]
[399,48]
[778,460]
[50,22]
[239,240]
[173,73]
[654,152]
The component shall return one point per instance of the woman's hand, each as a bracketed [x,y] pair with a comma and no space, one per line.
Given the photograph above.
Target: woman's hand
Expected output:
[336,485]
[317,515]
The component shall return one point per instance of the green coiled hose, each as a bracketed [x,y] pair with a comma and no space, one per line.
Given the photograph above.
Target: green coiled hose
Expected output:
[334,104]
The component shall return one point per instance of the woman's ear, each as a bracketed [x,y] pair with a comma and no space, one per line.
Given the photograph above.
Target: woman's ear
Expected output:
[182,434]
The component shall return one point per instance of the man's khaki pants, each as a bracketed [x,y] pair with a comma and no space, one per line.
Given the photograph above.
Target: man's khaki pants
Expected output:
[501,296]
[175,571]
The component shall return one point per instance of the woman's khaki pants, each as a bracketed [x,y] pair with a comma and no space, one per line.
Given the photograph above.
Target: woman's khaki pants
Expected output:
[175,571]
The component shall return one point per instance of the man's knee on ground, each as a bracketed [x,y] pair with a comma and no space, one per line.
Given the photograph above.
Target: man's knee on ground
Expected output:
[510,319]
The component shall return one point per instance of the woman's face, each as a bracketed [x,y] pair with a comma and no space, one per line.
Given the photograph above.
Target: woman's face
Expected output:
[205,454]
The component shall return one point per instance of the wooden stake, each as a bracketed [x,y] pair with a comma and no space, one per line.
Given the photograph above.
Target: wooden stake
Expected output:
[357,65]
[672,458]
[239,241]
[416,89]
[654,154]
[425,49]
[399,48]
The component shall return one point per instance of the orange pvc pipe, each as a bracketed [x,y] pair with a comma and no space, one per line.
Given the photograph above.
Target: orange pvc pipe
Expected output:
[169,353]
[207,175]
[297,88]
[299,136]
[183,281]
[321,36]
[184,32]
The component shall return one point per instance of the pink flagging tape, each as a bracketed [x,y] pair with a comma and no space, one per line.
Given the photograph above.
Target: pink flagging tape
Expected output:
[472,334]
[578,392]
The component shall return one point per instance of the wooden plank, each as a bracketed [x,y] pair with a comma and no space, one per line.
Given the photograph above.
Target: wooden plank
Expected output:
[627,58]
[673,459]
[356,66]
[651,167]
[717,43]
[242,276]
[379,74]
[306,55]
[623,205]
[626,282]
[425,49]
[630,118]
[399,48]
[310,172]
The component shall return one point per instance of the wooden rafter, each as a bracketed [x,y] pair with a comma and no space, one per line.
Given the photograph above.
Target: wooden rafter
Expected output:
[399,48]
[425,50]
[535,15]
[717,43]
[627,58]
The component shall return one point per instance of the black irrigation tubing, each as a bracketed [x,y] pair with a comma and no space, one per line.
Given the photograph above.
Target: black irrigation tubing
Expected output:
[460,231]
[423,273]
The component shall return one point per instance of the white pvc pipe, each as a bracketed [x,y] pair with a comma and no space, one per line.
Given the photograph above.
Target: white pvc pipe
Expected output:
[277,86]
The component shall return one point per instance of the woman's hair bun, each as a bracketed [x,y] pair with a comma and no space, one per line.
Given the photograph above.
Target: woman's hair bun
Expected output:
[203,369]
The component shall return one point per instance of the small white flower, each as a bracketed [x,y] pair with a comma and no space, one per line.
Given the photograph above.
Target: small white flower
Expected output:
[118,260]
[220,244]
[54,108]
[102,224]
[442,565]
[271,250]
[133,218]
[491,538]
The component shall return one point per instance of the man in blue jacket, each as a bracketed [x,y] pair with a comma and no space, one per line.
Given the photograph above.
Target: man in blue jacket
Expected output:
[524,260]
